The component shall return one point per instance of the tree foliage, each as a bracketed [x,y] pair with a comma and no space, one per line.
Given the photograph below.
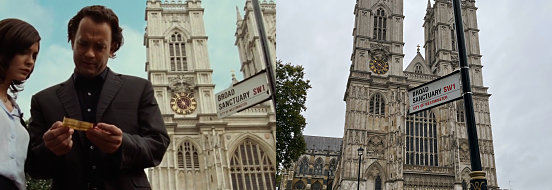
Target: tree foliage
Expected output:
[36,184]
[291,88]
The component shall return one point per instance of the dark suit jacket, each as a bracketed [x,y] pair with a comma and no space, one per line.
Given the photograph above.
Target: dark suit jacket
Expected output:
[125,101]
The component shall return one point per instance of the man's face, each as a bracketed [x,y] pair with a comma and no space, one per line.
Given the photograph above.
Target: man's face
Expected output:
[91,47]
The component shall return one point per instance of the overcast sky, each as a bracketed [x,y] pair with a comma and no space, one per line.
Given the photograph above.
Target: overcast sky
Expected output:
[515,44]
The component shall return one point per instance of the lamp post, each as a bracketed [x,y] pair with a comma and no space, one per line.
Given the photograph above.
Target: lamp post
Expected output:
[360,151]
[477,175]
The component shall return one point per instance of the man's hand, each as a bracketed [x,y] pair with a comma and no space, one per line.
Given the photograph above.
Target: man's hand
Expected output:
[58,139]
[107,138]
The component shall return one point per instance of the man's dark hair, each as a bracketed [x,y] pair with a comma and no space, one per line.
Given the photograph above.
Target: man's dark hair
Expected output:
[16,36]
[98,14]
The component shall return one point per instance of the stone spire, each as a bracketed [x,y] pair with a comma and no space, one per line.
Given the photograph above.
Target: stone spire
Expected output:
[238,15]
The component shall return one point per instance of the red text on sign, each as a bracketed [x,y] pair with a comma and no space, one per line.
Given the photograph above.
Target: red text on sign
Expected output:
[449,87]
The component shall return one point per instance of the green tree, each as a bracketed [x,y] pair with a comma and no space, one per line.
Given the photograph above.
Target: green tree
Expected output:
[36,184]
[291,94]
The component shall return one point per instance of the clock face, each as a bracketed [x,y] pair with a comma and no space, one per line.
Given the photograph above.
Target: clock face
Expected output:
[379,65]
[183,103]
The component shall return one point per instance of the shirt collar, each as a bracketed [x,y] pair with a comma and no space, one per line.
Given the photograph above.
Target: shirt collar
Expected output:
[102,75]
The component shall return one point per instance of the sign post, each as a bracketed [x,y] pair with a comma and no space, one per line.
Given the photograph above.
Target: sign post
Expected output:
[266,52]
[477,181]
[242,95]
[437,92]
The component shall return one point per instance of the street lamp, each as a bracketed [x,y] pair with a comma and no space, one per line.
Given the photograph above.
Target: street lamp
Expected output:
[360,151]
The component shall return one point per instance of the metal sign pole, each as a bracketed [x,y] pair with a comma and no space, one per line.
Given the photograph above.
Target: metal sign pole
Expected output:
[478,181]
[266,53]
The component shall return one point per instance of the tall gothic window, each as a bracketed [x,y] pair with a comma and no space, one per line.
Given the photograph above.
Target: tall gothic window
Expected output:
[380,25]
[319,167]
[464,185]
[333,165]
[453,39]
[188,157]
[251,168]
[378,183]
[418,68]
[377,105]
[177,53]
[421,139]
[460,116]
[304,167]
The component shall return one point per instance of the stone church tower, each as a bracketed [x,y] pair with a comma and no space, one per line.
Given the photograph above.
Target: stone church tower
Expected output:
[237,152]
[427,150]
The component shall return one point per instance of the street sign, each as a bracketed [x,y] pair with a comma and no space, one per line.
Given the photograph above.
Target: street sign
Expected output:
[243,95]
[437,92]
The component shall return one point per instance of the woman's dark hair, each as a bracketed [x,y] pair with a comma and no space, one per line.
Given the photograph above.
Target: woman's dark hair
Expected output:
[99,14]
[15,36]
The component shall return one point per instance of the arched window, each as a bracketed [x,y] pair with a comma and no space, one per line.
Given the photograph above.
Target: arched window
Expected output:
[378,183]
[377,105]
[421,139]
[300,185]
[177,53]
[317,186]
[464,185]
[185,160]
[304,166]
[460,116]
[251,168]
[380,25]
[418,68]
[319,167]
[453,39]
[333,164]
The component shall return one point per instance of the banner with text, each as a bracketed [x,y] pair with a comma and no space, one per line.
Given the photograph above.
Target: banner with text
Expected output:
[437,92]
[242,95]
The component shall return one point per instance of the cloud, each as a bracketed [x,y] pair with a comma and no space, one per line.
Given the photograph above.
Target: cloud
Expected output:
[42,18]
[55,65]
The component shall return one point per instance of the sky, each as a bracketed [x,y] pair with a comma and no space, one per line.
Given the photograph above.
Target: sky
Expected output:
[55,63]
[515,44]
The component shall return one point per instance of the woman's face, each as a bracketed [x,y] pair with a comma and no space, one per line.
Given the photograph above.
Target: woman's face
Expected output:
[23,63]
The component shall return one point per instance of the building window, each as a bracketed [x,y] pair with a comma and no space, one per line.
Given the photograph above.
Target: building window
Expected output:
[304,167]
[378,183]
[333,165]
[377,105]
[453,39]
[421,139]
[251,168]
[177,53]
[317,186]
[380,25]
[319,167]
[299,185]
[460,116]
[418,68]
[187,156]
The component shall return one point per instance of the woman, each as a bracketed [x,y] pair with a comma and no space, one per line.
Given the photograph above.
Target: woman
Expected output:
[19,45]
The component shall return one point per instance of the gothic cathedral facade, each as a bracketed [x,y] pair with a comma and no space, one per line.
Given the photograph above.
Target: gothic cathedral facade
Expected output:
[426,150]
[234,153]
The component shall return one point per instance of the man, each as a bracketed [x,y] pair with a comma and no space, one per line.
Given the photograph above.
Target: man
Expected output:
[129,134]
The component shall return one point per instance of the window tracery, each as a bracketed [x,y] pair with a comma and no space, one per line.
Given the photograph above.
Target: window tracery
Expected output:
[177,52]
[251,168]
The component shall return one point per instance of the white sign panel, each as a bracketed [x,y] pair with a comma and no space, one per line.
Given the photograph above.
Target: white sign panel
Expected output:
[242,95]
[435,93]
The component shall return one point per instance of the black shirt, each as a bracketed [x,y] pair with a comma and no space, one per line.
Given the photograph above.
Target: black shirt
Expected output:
[88,92]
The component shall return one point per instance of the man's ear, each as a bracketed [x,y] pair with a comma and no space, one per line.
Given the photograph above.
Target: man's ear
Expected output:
[112,50]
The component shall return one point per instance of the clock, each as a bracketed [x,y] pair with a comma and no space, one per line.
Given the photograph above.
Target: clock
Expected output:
[183,103]
[379,65]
